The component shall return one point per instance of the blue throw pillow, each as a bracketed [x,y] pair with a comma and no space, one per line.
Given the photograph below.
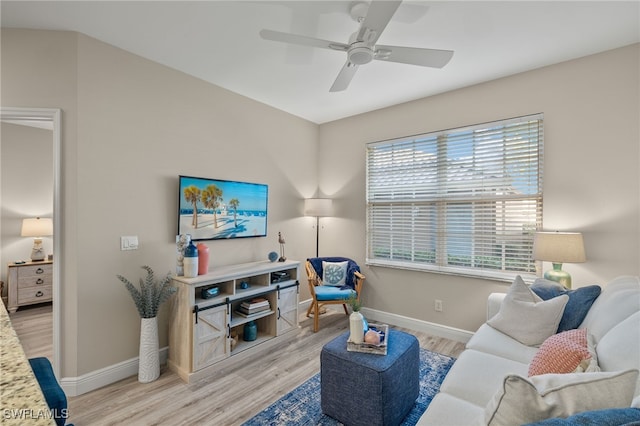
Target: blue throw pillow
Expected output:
[580,301]
[607,417]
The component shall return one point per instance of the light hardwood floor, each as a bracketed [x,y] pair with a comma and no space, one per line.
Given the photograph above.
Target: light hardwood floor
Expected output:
[34,326]
[228,397]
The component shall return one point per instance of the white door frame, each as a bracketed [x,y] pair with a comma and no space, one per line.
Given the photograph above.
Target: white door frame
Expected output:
[46,115]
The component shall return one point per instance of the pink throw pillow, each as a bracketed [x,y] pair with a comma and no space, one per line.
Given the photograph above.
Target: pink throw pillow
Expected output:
[561,353]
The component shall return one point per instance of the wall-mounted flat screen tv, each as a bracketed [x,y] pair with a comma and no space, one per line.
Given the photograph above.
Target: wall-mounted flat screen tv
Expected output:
[211,209]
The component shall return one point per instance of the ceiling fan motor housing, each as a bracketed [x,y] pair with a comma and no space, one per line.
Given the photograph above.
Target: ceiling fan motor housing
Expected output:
[360,53]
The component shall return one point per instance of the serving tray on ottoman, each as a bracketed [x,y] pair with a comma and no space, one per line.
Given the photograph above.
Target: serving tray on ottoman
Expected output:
[369,348]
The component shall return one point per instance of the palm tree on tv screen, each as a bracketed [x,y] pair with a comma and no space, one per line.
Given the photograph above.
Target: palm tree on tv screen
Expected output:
[192,195]
[211,198]
[233,203]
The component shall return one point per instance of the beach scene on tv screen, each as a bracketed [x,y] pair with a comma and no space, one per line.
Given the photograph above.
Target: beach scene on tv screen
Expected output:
[213,209]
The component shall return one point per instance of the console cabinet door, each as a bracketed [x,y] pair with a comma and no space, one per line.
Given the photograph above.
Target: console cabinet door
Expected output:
[287,309]
[210,337]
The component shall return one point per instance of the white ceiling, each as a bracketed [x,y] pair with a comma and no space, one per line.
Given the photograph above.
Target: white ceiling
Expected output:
[218,41]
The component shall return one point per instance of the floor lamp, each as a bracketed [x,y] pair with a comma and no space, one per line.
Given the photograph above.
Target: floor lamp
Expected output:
[318,207]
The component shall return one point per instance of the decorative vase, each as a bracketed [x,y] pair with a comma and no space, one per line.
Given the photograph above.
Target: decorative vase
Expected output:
[182,241]
[149,358]
[191,261]
[203,259]
[250,332]
[356,327]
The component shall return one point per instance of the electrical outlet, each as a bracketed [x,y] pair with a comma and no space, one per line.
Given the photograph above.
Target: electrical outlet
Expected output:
[437,305]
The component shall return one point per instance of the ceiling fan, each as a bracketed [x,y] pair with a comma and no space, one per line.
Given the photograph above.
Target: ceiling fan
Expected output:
[362,48]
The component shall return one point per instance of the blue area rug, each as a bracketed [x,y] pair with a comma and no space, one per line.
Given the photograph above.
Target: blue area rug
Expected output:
[301,406]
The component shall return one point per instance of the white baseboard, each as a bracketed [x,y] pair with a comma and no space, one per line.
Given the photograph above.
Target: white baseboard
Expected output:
[419,325]
[434,329]
[74,386]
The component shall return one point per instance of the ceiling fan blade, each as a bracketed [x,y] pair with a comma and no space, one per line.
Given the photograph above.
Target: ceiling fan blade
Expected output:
[378,16]
[302,40]
[413,55]
[344,77]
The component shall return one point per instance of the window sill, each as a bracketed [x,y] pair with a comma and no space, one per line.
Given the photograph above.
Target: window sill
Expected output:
[506,277]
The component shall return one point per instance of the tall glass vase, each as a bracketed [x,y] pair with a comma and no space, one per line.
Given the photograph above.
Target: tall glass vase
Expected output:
[149,358]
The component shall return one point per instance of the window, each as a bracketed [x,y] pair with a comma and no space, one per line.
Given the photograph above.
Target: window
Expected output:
[464,201]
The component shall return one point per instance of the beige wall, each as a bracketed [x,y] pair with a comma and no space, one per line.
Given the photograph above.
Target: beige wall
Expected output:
[131,126]
[591,110]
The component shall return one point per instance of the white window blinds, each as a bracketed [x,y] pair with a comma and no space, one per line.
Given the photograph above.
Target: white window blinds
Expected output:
[464,201]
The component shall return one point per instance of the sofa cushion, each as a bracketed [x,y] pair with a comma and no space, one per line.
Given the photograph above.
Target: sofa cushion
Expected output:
[619,300]
[526,317]
[619,349]
[562,353]
[608,417]
[448,410]
[580,301]
[475,376]
[489,340]
[558,395]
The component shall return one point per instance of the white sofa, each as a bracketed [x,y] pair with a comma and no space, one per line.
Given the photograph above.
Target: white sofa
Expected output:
[479,373]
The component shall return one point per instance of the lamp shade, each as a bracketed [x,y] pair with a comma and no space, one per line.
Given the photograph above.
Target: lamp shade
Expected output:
[559,247]
[318,207]
[37,227]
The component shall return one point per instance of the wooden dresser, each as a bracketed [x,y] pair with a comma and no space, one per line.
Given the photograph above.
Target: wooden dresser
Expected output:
[29,283]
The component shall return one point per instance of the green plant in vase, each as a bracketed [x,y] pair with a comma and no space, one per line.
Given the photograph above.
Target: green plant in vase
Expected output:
[354,303]
[356,320]
[152,293]
[148,298]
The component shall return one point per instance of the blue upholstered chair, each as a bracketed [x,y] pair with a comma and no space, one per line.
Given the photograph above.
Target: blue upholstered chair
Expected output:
[329,294]
[53,393]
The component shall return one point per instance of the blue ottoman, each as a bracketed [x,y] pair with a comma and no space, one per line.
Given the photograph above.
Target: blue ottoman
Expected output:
[368,389]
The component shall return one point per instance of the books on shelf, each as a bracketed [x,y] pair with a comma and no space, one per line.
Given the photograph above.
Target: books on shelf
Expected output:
[253,310]
[255,302]
[253,306]
[253,315]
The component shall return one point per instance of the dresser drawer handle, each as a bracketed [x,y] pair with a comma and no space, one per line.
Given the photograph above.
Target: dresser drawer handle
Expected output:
[39,271]
[39,281]
[39,294]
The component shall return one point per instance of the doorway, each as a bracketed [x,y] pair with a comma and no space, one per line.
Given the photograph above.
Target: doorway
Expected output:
[48,118]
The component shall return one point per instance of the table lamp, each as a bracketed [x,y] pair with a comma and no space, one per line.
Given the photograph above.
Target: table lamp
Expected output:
[559,248]
[318,207]
[37,228]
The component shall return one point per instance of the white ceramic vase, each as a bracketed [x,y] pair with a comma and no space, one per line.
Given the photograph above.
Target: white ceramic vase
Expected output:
[356,327]
[149,358]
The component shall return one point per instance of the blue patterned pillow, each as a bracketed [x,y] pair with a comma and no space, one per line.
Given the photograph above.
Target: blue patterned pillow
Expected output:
[608,417]
[334,273]
[580,301]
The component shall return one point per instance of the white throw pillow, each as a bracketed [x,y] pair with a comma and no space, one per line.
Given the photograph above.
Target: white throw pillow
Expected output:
[521,400]
[526,317]
[334,273]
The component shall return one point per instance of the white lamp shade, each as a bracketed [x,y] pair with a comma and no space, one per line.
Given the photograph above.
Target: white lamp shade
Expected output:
[37,227]
[559,247]
[318,207]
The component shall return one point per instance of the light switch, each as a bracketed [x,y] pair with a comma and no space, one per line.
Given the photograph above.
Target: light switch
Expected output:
[129,242]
